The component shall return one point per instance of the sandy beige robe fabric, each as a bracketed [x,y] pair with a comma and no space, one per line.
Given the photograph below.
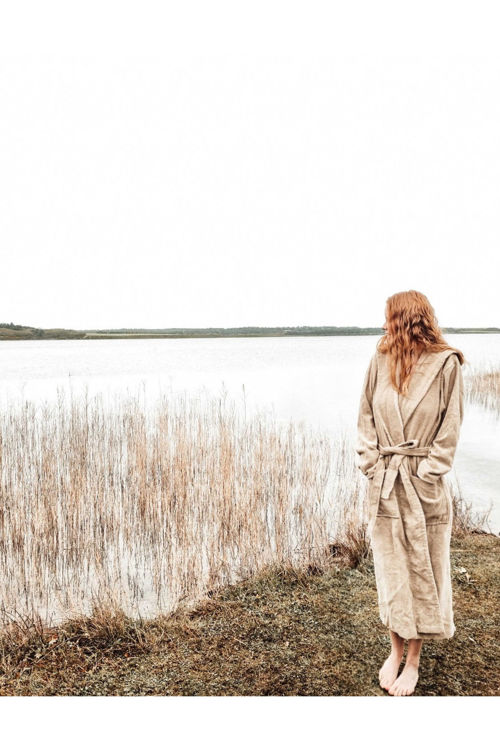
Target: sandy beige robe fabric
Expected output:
[405,446]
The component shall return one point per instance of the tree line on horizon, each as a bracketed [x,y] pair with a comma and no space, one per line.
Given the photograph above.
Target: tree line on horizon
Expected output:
[16,331]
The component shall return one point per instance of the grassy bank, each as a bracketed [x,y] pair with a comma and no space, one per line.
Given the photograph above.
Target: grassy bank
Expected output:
[282,632]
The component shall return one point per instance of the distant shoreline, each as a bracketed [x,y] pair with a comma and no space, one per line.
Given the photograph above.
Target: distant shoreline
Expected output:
[13,332]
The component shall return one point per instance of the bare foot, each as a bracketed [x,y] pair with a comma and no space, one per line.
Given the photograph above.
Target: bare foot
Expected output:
[405,683]
[389,669]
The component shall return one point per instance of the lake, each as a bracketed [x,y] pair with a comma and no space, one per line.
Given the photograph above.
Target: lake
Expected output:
[314,379]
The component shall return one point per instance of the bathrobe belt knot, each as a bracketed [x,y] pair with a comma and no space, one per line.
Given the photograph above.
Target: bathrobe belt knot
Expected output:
[397,453]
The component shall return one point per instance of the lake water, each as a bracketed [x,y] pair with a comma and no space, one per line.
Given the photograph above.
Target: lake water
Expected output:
[313,379]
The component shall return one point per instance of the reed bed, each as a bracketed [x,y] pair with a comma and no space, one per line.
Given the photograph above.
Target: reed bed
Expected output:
[483,387]
[135,509]
[138,509]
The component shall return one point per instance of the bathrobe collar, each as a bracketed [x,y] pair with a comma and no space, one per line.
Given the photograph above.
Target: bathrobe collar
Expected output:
[422,377]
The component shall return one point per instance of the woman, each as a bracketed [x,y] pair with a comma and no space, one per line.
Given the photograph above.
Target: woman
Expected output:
[410,414]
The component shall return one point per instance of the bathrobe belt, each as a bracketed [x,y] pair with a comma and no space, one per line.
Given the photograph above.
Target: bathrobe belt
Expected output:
[397,453]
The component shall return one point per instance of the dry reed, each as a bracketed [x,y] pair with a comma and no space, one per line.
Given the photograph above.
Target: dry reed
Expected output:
[483,387]
[140,509]
[137,510]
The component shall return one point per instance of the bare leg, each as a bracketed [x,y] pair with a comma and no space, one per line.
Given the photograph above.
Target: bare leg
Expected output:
[405,683]
[389,669]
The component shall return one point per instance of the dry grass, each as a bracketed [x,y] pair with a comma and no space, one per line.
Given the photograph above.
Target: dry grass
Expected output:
[466,520]
[282,632]
[139,509]
[483,387]
[107,511]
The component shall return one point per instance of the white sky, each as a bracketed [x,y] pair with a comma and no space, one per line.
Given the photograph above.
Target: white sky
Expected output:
[220,164]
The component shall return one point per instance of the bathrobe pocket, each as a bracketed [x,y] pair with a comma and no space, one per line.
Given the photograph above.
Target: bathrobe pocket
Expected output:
[386,507]
[433,498]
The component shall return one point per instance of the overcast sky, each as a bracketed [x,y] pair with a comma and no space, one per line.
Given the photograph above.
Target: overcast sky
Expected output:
[272,167]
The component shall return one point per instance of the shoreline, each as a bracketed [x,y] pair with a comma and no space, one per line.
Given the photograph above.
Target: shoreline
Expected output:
[281,632]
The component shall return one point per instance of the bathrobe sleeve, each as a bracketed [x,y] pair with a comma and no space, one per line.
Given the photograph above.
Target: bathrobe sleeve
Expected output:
[367,441]
[442,452]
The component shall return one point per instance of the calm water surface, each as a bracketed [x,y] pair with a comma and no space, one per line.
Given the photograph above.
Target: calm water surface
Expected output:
[315,379]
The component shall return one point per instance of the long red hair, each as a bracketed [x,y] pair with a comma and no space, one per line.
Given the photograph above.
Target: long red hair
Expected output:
[412,328]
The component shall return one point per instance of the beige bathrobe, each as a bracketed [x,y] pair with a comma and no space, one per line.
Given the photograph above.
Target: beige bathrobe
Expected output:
[405,446]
